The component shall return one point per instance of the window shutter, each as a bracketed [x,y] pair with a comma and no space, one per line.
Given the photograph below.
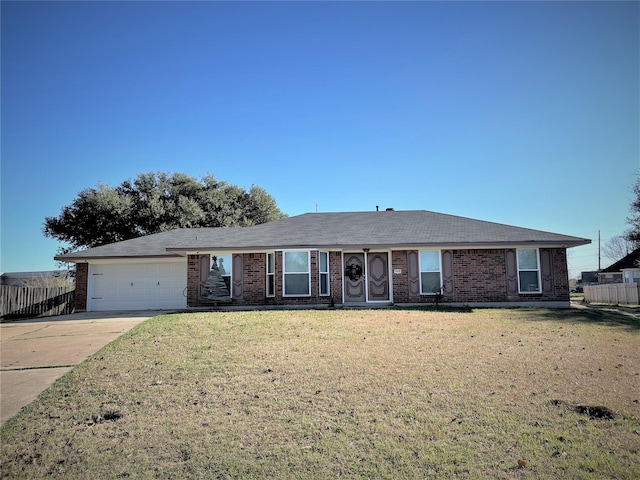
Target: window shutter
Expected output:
[413,271]
[546,270]
[236,281]
[512,272]
[447,272]
[204,267]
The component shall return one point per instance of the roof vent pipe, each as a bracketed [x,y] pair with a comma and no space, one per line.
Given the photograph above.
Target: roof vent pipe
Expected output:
[377,208]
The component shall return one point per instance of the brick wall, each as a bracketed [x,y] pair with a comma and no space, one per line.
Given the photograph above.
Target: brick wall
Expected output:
[82,279]
[193,281]
[400,281]
[254,278]
[560,274]
[480,276]
[335,279]
[335,282]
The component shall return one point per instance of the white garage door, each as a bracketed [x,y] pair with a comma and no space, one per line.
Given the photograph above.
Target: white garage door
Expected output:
[144,286]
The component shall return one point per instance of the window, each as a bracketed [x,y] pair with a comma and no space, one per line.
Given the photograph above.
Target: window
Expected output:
[528,270]
[324,273]
[223,262]
[430,276]
[631,276]
[296,273]
[271,275]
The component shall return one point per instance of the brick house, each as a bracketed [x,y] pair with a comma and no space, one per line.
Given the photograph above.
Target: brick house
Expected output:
[349,259]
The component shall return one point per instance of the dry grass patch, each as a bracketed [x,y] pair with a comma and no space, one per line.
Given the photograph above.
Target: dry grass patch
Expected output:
[359,394]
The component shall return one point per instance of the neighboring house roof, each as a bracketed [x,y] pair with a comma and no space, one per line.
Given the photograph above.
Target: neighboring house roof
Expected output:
[13,278]
[40,273]
[386,229]
[630,261]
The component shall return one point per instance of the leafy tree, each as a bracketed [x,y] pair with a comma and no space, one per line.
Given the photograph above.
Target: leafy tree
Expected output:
[157,202]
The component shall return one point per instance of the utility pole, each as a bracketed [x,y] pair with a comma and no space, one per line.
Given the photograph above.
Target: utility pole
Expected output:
[598,250]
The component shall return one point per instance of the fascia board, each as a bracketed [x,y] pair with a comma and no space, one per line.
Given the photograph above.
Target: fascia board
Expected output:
[93,259]
[349,247]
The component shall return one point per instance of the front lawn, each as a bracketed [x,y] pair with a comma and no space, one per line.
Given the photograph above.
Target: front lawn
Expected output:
[352,393]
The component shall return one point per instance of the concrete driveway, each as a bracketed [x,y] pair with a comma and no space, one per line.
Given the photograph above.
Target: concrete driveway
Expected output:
[35,353]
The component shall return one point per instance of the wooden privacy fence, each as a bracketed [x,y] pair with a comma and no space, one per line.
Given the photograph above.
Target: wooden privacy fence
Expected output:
[613,293]
[22,302]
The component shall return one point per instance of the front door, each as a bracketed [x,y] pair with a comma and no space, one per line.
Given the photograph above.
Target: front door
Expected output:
[366,277]
[354,278]
[378,277]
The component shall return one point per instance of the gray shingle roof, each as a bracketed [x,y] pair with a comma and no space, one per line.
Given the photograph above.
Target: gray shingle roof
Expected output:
[400,229]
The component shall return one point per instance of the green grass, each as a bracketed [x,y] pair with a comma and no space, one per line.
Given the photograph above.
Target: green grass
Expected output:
[358,394]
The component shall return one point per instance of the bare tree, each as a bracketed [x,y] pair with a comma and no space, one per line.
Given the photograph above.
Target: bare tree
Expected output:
[633,234]
[40,280]
[617,247]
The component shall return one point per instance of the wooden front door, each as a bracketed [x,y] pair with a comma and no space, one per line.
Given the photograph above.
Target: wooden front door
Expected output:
[354,278]
[366,277]
[378,276]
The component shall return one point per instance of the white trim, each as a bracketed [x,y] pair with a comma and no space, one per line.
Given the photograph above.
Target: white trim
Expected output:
[327,273]
[342,276]
[134,260]
[272,274]
[539,290]
[356,248]
[284,273]
[389,277]
[365,276]
[420,271]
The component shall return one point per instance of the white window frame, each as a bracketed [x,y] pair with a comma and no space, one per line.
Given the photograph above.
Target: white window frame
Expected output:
[421,271]
[285,273]
[271,276]
[537,270]
[325,273]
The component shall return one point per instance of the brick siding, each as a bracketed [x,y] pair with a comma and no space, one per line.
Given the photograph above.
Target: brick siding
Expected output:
[400,281]
[480,276]
[254,278]
[193,281]
[82,281]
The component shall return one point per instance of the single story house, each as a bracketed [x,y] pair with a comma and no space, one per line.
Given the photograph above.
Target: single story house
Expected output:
[349,259]
[625,270]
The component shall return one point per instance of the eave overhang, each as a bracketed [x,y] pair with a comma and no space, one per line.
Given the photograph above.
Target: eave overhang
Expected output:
[194,250]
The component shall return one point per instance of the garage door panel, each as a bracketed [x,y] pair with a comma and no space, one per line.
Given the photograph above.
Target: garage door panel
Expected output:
[137,286]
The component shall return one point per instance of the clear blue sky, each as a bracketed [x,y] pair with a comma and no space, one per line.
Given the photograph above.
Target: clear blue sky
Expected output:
[525,113]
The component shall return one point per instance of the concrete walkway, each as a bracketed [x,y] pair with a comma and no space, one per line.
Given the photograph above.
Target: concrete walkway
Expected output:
[35,353]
